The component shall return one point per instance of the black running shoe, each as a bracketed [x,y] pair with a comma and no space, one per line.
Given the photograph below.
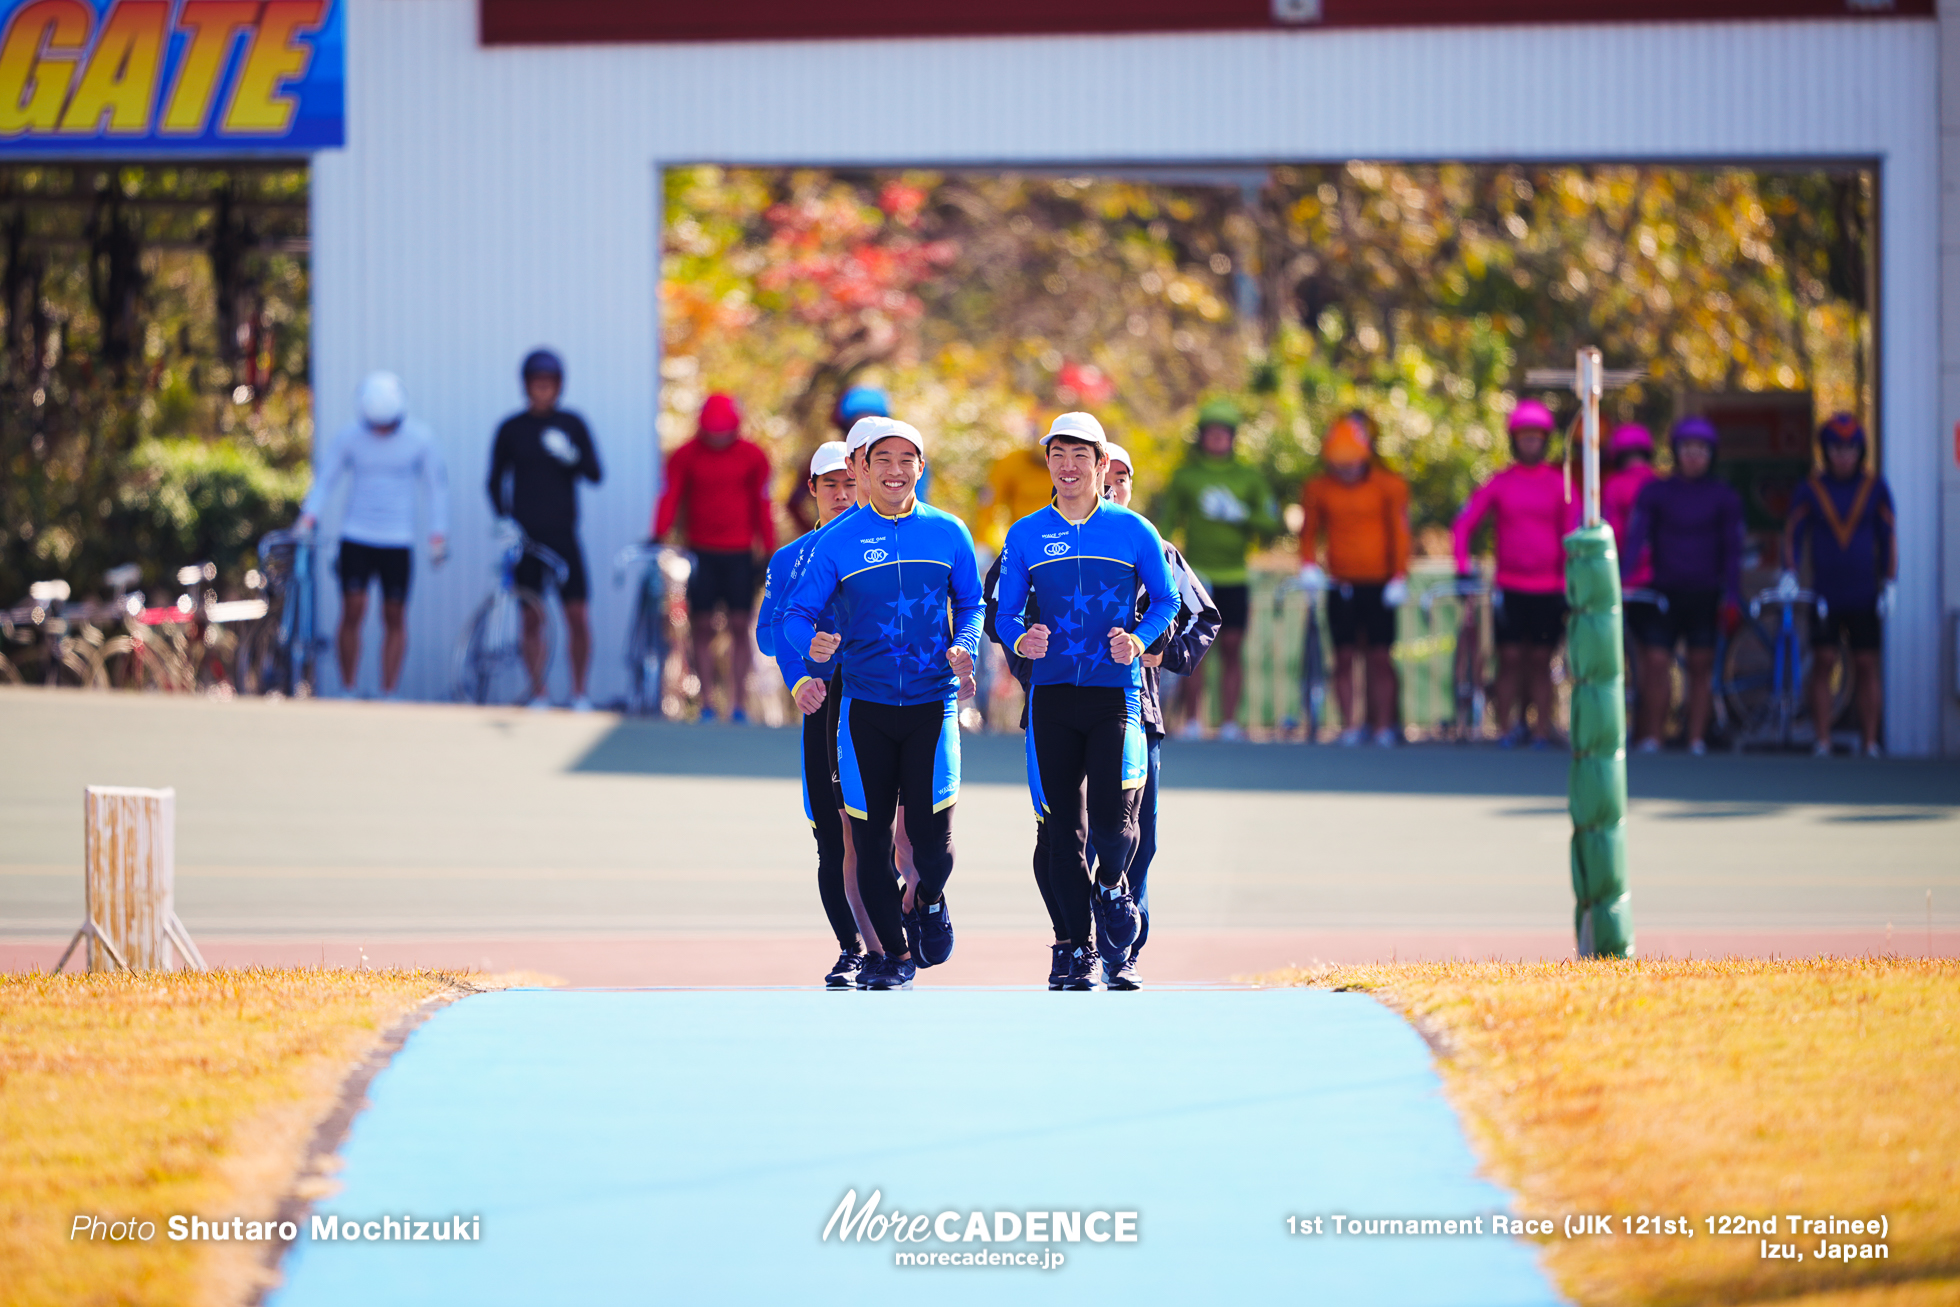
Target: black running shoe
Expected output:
[843,973]
[1081,968]
[914,935]
[893,973]
[1120,972]
[935,943]
[1058,964]
[1117,917]
[870,965]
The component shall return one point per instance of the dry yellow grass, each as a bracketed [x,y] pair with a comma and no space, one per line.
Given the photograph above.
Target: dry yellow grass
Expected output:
[1824,1086]
[163,1093]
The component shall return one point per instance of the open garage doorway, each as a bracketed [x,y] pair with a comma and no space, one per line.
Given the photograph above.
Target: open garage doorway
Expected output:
[985,301]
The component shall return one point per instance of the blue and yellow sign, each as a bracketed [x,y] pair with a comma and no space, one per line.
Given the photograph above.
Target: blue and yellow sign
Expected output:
[145,77]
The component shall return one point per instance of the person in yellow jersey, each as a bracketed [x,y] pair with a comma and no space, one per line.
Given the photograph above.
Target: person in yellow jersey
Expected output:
[1017,485]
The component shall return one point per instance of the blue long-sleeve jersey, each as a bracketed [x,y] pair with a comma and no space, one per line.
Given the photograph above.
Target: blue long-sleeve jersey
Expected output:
[890,582]
[785,566]
[1084,577]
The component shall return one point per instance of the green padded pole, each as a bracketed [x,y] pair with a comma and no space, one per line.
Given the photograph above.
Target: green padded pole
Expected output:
[1595,653]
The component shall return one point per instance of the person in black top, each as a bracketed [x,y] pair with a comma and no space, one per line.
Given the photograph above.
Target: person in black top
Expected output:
[539,457]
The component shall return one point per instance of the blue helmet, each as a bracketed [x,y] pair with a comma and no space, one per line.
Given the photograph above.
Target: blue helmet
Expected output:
[1842,429]
[861,402]
[542,363]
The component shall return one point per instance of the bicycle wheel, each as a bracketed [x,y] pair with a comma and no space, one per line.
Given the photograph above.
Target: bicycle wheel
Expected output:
[1749,682]
[490,662]
[1313,672]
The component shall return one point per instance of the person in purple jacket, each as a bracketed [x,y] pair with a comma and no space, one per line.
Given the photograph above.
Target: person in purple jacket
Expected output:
[1845,514]
[1691,523]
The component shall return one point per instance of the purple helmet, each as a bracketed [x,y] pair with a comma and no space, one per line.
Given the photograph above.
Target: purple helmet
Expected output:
[1530,415]
[1841,429]
[1695,428]
[1630,439]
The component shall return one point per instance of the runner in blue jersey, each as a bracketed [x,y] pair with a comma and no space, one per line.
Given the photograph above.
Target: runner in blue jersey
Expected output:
[832,493]
[1082,561]
[891,572]
[1179,652]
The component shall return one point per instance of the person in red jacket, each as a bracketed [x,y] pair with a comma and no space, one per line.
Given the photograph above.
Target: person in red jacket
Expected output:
[717,488]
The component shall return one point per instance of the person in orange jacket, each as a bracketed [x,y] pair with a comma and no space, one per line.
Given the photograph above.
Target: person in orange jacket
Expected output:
[1363,509]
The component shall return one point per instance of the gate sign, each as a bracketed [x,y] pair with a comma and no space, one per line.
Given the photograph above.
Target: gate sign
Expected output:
[134,78]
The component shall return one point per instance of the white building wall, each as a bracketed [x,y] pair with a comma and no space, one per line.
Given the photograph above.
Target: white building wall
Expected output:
[492,199]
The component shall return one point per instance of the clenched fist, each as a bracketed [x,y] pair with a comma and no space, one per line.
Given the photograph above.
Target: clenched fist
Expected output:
[1035,643]
[1121,647]
[811,696]
[823,645]
[960,661]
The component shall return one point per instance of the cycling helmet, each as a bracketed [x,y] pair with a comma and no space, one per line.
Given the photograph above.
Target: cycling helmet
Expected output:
[1842,429]
[1219,413]
[861,402]
[1630,439]
[1530,415]
[542,363]
[1695,428]
[381,400]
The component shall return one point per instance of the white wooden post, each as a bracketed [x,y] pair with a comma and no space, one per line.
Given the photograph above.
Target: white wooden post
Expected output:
[1590,375]
[130,838]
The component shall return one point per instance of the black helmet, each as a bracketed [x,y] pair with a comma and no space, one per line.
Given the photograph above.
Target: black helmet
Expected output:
[542,363]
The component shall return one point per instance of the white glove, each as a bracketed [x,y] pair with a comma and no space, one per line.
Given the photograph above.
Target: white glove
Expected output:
[1888,599]
[508,534]
[1395,593]
[559,445]
[1312,578]
[1787,582]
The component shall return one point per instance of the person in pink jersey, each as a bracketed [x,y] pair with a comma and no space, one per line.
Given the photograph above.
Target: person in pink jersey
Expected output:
[1530,515]
[1630,465]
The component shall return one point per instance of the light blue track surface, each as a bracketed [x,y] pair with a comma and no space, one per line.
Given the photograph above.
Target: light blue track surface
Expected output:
[689,1146]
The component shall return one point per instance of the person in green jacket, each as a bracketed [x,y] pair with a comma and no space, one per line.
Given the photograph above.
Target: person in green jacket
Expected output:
[1219,508]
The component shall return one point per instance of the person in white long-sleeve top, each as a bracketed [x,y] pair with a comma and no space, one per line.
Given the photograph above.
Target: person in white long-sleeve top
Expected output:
[389,461]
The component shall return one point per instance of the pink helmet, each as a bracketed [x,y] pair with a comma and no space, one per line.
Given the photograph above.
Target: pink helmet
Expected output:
[1630,439]
[1530,415]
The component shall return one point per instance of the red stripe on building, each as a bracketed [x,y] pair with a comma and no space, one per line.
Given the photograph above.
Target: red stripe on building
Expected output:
[561,22]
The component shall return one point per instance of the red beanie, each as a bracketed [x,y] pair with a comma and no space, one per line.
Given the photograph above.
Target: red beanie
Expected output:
[719,413]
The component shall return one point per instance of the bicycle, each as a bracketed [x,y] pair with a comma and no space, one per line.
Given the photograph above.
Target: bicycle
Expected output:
[1313,656]
[49,636]
[662,574]
[490,667]
[1469,687]
[186,646]
[1764,674]
[277,655]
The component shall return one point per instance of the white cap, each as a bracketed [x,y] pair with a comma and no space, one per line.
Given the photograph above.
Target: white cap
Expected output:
[871,430]
[381,401]
[1078,426]
[831,455]
[1118,454]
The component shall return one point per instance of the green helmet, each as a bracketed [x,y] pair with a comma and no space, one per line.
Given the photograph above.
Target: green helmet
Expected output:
[1219,413]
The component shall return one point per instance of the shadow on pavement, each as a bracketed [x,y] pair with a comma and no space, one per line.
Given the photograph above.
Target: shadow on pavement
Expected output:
[1747,786]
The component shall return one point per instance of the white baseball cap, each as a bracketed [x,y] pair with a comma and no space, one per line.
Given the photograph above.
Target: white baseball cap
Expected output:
[871,430]
[831,456]
[1118,454]
[1077,426]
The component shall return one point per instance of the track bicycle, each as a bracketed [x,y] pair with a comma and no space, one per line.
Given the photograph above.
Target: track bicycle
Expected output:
[1765,670]
[277,655]
[490,667]
[660,574]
